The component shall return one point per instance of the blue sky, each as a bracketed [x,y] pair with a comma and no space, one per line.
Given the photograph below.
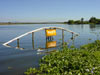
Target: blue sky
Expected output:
[47,10]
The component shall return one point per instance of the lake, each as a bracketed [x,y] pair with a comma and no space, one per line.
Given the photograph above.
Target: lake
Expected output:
[15,61]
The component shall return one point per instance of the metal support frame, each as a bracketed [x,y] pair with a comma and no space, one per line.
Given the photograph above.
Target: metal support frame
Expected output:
[18,43]
[33,40]
[36,30]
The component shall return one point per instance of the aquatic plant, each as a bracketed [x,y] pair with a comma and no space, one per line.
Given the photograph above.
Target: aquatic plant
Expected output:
[70,61]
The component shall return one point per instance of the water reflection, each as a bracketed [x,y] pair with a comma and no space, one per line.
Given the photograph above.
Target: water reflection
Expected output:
[49,44]
[94,27]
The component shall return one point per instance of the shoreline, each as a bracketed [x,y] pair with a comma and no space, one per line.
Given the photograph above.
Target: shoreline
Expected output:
[46,23]
[34,23]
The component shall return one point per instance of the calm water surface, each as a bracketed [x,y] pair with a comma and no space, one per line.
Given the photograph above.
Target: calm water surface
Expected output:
[15,61]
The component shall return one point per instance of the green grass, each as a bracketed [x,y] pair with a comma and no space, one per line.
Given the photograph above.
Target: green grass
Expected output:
[70,61]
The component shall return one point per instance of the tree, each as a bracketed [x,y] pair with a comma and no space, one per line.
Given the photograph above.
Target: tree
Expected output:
[97,21]
[92,20]
[78,22]
[71,22]
[82,19]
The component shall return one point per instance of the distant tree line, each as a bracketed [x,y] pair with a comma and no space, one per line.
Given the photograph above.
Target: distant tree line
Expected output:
[92,20]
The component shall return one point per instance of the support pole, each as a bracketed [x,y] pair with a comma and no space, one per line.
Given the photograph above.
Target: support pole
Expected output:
[72,35]
[18,43]
[62,37]
[33,40]
[73,39]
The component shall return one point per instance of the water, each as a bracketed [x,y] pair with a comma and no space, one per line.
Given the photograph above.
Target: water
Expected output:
[15,61]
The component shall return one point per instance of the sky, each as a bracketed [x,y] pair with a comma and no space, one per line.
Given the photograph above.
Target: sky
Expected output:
[48,10]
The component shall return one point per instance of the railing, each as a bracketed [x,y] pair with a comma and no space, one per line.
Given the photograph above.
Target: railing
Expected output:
[36,30]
